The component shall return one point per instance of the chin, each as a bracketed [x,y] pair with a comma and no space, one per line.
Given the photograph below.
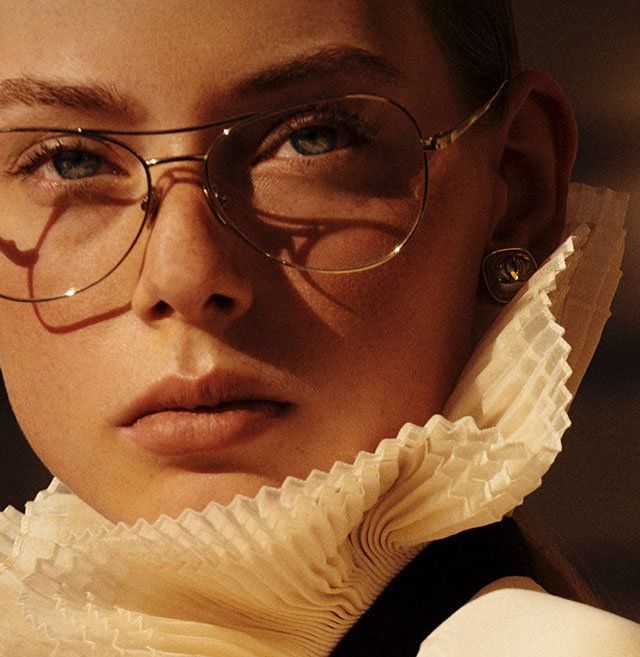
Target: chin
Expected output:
[171,494]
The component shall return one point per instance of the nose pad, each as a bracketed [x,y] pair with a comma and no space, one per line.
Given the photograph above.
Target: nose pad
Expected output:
[150,205]
[217,202]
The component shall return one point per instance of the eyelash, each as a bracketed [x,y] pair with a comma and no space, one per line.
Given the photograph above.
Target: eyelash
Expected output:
[359,128]
[42,153]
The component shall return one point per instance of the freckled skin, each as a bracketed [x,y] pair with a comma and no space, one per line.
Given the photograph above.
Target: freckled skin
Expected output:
[366,352]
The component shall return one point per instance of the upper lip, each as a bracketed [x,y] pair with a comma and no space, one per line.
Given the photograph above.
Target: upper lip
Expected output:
[177,392]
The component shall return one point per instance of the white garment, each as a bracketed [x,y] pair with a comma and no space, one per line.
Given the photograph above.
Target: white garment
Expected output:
[518,619]
[289,572]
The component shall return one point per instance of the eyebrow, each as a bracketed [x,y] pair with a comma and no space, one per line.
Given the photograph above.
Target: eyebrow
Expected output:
[96,98]
[324,63]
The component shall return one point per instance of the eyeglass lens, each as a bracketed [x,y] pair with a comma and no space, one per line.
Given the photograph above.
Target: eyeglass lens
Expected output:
[332,186]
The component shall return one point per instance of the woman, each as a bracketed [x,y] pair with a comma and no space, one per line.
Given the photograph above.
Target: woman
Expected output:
[192,315]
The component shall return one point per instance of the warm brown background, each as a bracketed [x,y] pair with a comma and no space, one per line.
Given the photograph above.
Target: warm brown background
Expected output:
[591,496]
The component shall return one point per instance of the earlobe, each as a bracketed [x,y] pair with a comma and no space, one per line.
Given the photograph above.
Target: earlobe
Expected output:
[539,136]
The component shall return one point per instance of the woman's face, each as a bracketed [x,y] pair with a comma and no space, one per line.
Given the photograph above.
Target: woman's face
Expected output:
[312,368]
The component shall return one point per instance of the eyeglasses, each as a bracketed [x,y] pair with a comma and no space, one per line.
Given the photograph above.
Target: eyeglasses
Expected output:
[336,185]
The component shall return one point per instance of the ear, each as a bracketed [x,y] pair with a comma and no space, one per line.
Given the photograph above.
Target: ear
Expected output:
[538,147]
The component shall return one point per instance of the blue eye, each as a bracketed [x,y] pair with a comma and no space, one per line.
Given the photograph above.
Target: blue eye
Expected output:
[76,164]
[314,140]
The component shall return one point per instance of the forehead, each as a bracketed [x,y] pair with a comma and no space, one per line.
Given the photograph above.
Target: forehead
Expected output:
[186,60]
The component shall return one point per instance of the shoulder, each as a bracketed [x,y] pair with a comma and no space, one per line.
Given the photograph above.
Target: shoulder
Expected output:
[514,617]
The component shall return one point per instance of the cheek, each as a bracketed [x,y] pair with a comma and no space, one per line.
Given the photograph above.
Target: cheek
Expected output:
[52,381]
[413,314]
[462,199]
[435,274]
[28,370]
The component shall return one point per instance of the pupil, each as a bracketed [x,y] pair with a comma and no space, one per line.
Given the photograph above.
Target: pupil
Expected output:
[73,165]
[314,140]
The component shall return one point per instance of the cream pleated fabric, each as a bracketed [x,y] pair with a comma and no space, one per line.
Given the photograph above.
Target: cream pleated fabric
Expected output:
[289,572]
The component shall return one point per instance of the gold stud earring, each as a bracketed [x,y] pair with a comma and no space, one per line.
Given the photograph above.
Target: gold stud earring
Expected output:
[505,271]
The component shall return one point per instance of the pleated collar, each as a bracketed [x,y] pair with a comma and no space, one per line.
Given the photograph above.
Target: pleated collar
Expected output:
[291,570]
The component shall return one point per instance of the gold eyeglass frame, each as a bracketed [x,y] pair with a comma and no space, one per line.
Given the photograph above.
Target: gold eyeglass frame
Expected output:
[434,142]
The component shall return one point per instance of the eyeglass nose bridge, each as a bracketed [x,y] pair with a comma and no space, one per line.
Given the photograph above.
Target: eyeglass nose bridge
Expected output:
[152,200]
[176,158]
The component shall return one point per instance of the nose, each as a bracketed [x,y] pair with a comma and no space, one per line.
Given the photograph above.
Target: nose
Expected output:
[191,265]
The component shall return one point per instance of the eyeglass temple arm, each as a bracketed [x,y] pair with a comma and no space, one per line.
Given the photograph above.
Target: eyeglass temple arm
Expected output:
[443,139]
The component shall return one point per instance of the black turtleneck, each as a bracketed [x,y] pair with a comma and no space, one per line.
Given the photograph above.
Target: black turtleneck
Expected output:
[443,577]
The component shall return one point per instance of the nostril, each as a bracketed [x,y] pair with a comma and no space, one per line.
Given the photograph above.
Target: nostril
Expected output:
[218,302]
[222,302]
[160,309]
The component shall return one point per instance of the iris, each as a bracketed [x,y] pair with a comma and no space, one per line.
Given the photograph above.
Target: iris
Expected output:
[76,164]
[314,140]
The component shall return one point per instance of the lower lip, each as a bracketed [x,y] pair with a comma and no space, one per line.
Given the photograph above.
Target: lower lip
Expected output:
[181,432]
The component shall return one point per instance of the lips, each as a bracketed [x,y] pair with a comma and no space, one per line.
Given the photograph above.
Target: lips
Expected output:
[179,416]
